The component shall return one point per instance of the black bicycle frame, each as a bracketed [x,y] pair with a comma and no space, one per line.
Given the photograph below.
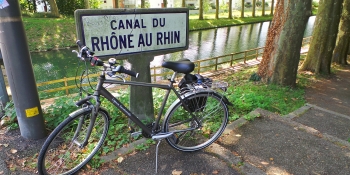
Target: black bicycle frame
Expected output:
[100,90]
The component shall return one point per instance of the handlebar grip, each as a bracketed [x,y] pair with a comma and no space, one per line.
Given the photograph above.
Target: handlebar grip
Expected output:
[129,72]
[80,44]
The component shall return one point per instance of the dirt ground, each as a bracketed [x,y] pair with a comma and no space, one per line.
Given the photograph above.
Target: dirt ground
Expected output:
[332,92]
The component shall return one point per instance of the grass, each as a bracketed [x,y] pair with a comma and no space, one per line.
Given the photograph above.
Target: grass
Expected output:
[248,95]
[52,33]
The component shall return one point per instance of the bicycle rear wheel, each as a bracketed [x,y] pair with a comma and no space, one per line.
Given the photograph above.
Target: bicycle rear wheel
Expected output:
[190,134]
[62,153]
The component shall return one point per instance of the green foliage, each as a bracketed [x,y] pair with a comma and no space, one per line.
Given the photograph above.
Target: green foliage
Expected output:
[255,77]
[67,7]
[206,6]
[258,4]
[246,96]
[59,110]
[248,5]
[224,7]
[95,4]
[10,112]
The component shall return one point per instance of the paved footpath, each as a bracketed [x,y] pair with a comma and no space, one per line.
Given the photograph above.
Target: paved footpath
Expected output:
[311,140]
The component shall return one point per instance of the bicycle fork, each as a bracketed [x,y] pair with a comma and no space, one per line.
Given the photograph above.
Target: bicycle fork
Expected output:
[89,129]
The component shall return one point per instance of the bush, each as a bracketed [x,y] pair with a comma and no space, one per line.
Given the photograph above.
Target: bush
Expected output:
[248,5]
[258,4]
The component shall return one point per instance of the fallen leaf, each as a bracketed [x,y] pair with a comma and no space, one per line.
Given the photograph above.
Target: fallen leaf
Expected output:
[271,159]
[13,151]
[120,159]
[215,172]
[5,145]
[175,172]
[1,172]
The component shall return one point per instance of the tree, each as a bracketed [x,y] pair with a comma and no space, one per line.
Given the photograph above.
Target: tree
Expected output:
[272,6]
[116,3]
[263,8]
[319,57]
[242,9]
[183,4]
[281,55]
[343,40]
[230,9]
[201,3]
[254,6]
[54,8]
[165,3]
[86,4]
[217,9]
[142,3]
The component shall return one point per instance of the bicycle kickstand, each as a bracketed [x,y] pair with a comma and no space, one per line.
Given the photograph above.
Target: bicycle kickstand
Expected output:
[159,137]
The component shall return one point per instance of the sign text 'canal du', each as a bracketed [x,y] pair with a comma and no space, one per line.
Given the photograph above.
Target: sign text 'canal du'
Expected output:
[125,33]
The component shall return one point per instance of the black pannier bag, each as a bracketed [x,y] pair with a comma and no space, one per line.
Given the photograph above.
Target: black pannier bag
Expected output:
[190,83]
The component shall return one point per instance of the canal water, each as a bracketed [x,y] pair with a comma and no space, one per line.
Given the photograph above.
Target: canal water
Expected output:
[52,65]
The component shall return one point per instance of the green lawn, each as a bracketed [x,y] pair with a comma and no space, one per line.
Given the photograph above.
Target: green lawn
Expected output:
[52,33]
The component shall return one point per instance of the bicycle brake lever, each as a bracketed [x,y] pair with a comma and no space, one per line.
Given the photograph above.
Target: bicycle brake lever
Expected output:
[78,54]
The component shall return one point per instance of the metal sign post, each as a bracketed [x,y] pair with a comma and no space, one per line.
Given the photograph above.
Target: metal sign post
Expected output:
[137,35]
[15,52]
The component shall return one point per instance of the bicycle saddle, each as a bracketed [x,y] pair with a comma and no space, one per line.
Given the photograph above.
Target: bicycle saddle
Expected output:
[182,66]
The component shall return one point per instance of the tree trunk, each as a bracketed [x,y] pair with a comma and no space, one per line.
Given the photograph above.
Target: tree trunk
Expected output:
[143,4]
[165,3]
[183,3]
[324,36]
[254,5]
[263,8]
[282,51]
[201,9]
[341,49]
[230,9]
[217,9]
[86,4]
[116,3]
[54,9]
[242,10]
[272,6]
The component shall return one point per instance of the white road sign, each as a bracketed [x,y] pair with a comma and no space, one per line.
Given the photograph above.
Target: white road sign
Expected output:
[119,34]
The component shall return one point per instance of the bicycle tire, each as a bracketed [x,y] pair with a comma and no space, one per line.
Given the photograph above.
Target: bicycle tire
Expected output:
[212,113]
[57,156]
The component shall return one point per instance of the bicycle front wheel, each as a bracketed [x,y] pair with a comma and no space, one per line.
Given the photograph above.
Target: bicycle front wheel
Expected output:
[195,133]
[64,152]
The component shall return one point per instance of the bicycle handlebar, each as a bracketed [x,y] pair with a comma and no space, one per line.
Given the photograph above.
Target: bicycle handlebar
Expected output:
[86,55]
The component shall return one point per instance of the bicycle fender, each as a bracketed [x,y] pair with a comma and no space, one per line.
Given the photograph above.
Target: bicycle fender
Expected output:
[82,110]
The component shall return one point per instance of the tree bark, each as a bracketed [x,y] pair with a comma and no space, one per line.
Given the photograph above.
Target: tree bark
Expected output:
[242,9]
[230,9]
[254,5]
[86,4]
[217,9]
[282,51]
[263,8]
[341,49]
[165,3]
[143,4]
[201,9]
[324,36]
[54,8]
[272,6]
[116,4]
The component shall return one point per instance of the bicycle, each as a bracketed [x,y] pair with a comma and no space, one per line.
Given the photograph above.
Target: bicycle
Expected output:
[194,121]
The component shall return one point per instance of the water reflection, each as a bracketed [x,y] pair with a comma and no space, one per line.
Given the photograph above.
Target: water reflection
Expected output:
[202,44]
